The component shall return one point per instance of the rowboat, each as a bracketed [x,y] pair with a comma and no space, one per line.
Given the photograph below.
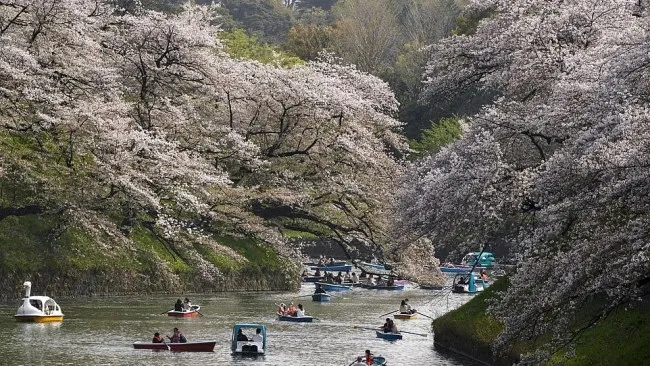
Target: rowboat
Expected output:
[205,346]
[315,264]
[405,316]
[431,287]
[341,268]
[249,347]
[37,309]
[320,297]
[333,287]
[374,265]
[312,278]
[468,284]
[296,319]
[383,287]
[379,361]
[192,312]
[388,336]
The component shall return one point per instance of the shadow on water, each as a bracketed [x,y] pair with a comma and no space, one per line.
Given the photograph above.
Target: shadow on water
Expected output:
[101,331]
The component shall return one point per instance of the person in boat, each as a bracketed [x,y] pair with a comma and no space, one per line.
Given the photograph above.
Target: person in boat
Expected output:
[321,261]
[300,312]
[331,261]
[304,273]
[354,278]
[187,305]
[462,280]
[391,281]
[338,279]
[484,275]
[393,327]
[405,307]
[317,274]
[282,309]
[329,278]
[386,327]
[359,362]
[362,275]
[177,337]
[291,310]
[319,289]
[370,280]
[178,306]
[369,358]
[157,338]
[241,337]
[346,277]
[258,336]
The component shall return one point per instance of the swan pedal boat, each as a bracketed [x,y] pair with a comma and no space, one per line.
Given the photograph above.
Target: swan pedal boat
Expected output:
[37,309]
[204,346]
[296,319]
[388,336]
[192,312]
[405,316]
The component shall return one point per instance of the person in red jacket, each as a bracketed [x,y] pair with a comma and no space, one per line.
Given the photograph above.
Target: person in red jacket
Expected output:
[157,338]
[370,359]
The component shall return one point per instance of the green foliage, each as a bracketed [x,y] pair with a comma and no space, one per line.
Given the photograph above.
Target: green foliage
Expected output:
[298,234]
[437,136]
[21,243]
[150,246]
[267,19]
[252,250]
[306,41]
[466,24]
[239,44]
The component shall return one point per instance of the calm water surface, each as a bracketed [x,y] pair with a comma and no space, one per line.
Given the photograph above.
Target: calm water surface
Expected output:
[100,331]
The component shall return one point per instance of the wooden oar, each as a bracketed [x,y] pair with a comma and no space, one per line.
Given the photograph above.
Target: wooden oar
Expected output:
[199,313]
[168,348]
[381,316]
[368,328]
[420,334]
[425,316]
[166,311]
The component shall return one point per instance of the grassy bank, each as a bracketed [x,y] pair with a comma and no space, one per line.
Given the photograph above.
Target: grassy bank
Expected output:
[620,339]
[73,262]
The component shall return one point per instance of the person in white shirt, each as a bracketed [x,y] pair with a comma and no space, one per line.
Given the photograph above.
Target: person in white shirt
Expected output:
[258,336]
[300,311]
[355,278]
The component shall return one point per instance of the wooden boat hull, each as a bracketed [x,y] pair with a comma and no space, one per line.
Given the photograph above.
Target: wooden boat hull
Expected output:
[38,318]
[295,319]
[333,287]
[389,336]
[207,346]
[405,316]
[320,297]
[380,287]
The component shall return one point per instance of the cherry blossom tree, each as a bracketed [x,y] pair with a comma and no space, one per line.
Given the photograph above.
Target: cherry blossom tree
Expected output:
[557,164]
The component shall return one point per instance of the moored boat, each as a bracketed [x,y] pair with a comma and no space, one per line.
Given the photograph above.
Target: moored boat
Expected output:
[192,312]
[313,278]
[388,336]
[296,319]
[333,287]
[37,309]
[251,347]
[341,268]
[405,316]
[320,297]
[203,346]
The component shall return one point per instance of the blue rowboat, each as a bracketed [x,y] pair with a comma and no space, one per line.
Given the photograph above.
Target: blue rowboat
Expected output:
[341,268]
[379,361]
[320,297]
[333,287]
[383,287]
[374,265]
[296,319]
[389,336]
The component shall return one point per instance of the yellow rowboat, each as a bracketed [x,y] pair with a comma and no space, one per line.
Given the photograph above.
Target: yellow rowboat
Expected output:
[405,316]
[37,309]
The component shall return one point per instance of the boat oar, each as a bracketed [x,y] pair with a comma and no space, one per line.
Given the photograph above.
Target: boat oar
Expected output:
[166,311]
[420,334]
[200,313]
[368,328]
[381,316]
[426,316]
[168,348]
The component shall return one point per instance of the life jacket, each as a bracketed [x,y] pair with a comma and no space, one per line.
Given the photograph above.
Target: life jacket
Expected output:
[369,360]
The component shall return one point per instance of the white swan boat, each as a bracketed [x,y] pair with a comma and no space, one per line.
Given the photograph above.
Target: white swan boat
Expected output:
[37,309]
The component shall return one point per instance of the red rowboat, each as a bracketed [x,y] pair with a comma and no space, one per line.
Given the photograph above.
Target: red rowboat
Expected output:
[207,346]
